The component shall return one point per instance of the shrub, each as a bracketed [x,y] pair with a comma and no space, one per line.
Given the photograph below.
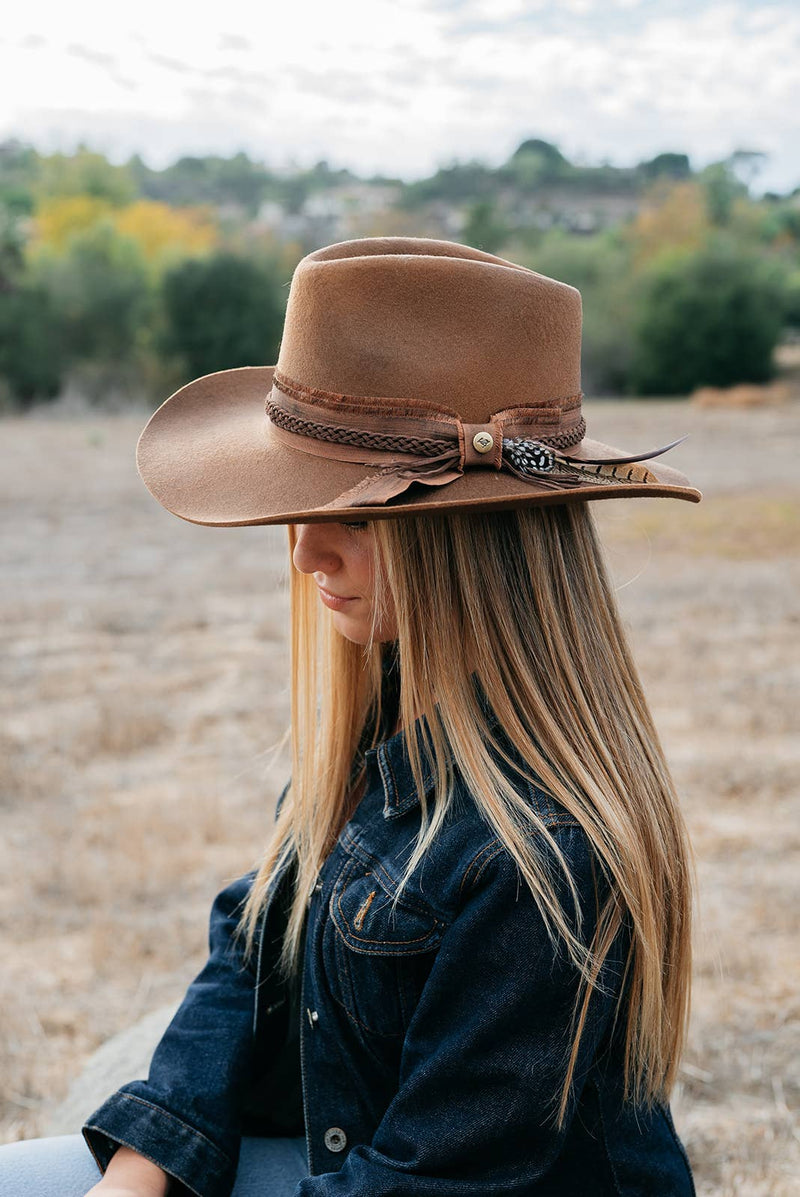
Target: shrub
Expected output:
[599,266]
[711,318]
[102,292]
[31,357]
[221,312]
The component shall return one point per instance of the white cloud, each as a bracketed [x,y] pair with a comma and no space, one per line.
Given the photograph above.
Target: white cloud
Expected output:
[401,85]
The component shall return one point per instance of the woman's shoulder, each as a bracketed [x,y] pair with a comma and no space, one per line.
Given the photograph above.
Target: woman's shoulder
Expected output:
[466,845]
[546,813]
[467,853]
[549,825]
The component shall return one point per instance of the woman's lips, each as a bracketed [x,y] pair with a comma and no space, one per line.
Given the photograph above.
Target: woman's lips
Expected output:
[335,601]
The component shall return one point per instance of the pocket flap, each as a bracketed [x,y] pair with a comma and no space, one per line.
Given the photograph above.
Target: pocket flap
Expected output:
[363,914]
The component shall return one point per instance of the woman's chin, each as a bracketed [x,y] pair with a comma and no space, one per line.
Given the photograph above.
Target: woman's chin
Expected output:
[360,630]
[352,628]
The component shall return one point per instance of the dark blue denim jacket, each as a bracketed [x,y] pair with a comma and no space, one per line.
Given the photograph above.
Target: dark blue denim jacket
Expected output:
[433,1041]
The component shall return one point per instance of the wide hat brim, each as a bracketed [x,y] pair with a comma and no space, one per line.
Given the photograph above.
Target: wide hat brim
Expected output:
[208,455]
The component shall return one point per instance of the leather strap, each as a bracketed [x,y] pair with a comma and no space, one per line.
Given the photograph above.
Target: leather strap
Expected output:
[434,446]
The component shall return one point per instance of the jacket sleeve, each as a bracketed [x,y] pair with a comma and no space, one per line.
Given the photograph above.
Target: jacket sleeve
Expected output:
[186,1117]
[485,1052]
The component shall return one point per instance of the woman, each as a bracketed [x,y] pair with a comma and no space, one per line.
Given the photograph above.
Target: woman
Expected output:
[463,965]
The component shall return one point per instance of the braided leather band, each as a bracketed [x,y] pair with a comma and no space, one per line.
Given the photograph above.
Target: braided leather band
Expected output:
[340,434]
[435,446]
[344,434]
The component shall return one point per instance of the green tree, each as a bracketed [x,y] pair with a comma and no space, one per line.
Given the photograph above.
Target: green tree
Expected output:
[747,164]
[545,150]
[454,183]
[85,173]
[710,318]
[211,180]
[600,268]
[673,166]
[484,229]
[12,245]
[221,312]
[721,189]
[791,307]
[19,173]
[535,162]
[31,349]
[100,287]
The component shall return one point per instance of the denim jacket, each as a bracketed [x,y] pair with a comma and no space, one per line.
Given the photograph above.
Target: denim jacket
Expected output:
[432,1041]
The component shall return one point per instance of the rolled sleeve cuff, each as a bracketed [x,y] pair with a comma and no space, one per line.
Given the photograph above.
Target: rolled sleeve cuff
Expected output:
[183,1152]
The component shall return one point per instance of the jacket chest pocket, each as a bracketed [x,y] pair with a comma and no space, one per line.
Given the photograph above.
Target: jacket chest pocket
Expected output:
[377,955]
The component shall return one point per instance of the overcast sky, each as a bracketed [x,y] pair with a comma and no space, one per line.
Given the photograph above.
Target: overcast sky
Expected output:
[402,86]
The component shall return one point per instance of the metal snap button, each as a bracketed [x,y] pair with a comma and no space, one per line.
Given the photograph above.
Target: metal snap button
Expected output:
[482,442]
[335,1138]
[313,1018]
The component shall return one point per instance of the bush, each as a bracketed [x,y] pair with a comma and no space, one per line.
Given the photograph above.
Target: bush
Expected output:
[791,307]
[30,345]
[483,229]
[711,318]
[102,292]
[599,267]
[221,312]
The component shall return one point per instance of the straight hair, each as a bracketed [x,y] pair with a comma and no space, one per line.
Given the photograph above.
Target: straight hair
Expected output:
[521,601]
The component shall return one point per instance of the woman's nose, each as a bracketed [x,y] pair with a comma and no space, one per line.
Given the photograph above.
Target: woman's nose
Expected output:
[315,549]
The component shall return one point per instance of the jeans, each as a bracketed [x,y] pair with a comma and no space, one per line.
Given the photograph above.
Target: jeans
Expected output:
[64,1167]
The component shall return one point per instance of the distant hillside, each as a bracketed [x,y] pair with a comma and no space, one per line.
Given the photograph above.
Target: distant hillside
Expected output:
[537,188]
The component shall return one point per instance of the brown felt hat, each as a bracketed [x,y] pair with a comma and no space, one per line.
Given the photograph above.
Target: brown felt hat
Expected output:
[414,375]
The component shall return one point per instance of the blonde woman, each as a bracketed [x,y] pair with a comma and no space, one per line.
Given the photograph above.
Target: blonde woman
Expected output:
[463,965]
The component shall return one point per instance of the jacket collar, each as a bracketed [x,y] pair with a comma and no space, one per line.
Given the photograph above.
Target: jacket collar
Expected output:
[388,765]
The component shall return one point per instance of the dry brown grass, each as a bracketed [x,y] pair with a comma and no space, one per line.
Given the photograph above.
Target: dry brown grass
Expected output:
[145,680]
[744,395]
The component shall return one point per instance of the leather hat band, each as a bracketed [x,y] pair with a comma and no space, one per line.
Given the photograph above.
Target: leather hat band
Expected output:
[435,446]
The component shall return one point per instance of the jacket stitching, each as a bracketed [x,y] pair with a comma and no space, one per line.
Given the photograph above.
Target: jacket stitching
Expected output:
[362,939]
[667,1117]
[395,787]
[401,802]
[186,1125]
[387,781]
[609,1160]
[476,857]
[345,927]
[486,861]
[389,883]
[374,863]
[407,800]
[348,1006]
[557,821]
[362,1025]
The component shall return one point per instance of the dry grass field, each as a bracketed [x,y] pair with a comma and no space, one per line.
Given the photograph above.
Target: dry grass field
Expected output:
[145,681]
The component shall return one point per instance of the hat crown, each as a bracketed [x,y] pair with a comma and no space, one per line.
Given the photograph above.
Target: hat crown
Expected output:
[418,318]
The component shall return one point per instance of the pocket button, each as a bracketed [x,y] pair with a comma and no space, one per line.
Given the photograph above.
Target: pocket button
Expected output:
[335,1138]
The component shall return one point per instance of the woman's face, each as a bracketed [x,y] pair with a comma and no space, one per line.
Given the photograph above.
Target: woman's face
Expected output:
[340,557]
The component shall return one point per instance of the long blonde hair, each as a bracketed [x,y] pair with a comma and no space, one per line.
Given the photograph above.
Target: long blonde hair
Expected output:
[527,594]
